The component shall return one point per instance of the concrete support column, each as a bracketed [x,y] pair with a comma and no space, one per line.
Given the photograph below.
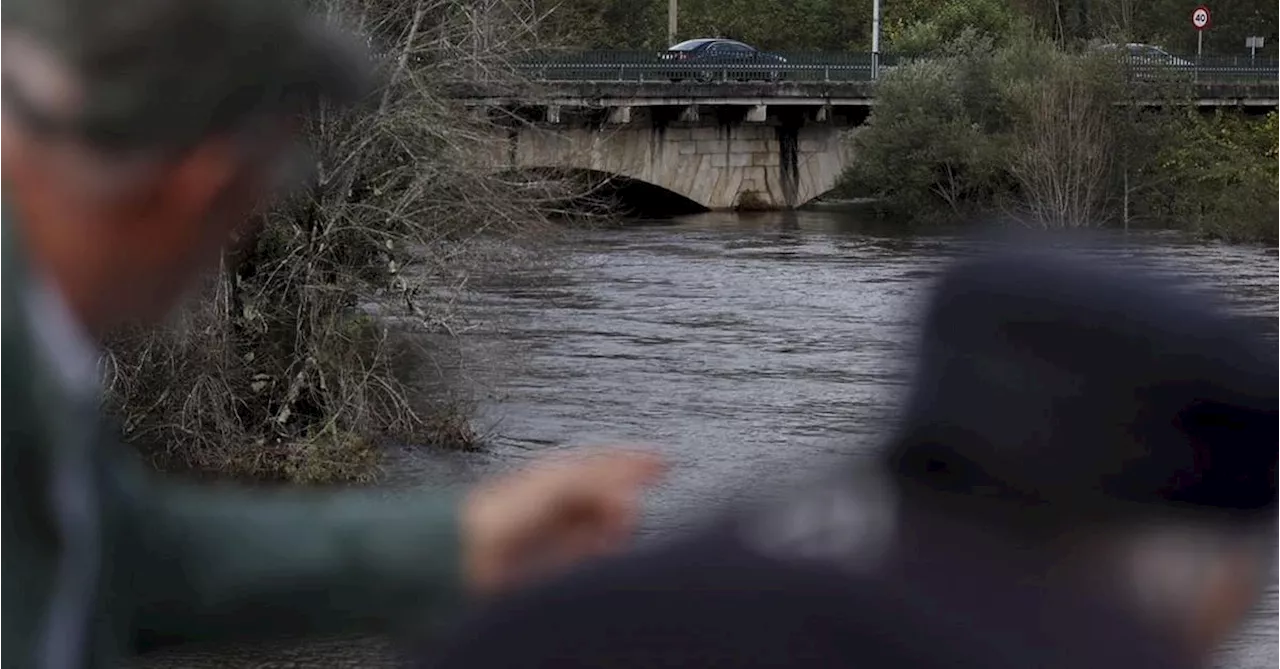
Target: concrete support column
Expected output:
[553,113]
[689,114]
[757,114]
[620,115]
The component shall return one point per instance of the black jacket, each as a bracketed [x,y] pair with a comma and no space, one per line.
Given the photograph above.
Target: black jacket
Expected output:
[831,591]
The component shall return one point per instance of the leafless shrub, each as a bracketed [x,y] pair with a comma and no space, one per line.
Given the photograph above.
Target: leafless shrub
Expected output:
[310,343]
[1063,142]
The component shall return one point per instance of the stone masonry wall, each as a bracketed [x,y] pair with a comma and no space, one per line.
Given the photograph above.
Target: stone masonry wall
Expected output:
[751,165]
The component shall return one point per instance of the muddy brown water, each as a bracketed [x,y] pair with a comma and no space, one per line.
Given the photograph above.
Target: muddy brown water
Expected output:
[753,351]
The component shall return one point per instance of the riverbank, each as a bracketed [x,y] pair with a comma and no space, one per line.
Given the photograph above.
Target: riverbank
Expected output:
[1055,138]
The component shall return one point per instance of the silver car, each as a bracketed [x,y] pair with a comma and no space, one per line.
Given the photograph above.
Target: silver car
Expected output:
[1146,61]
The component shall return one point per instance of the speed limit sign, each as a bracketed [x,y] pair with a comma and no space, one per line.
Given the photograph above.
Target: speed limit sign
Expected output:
[1200,17]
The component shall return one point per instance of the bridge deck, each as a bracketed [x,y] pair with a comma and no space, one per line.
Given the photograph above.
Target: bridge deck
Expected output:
[604,94]
[659,94]
[643,79]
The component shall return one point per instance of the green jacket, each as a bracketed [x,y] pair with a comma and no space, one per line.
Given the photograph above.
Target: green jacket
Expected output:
[185,561]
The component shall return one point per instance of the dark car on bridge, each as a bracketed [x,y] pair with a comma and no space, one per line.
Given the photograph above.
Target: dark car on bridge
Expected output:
[709,58]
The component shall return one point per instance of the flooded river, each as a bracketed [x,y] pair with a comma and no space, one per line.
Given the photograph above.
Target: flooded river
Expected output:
[753,351]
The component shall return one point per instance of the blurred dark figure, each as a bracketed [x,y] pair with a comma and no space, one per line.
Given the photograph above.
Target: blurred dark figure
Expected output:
[138,135]
[1085,476]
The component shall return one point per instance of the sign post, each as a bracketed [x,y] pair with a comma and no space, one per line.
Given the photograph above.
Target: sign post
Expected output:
[1253,44]
[1201,21]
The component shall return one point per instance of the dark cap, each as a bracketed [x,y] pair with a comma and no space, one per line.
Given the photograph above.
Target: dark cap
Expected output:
[159,73]
[1053,383]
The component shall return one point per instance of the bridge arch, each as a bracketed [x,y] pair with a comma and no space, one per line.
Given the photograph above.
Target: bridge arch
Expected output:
[718,167]
[591,189]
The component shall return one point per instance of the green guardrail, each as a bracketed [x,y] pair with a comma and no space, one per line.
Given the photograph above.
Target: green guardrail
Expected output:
[643,66]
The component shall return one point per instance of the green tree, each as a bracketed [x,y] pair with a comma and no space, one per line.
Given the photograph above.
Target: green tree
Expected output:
[603,24]
[925,26]
[1163,22]
[798,25]
[933,149]
[1217,177]
[911,26]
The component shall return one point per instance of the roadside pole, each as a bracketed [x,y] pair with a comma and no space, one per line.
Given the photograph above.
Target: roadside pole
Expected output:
[672,14]
[875,39]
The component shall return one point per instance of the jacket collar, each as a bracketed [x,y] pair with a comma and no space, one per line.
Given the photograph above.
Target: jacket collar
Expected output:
[68,350]
[54,334]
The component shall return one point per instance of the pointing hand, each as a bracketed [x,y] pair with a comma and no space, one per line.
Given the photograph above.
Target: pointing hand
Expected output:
[552,515]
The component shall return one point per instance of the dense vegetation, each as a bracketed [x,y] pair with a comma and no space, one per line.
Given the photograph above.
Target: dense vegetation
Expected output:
[312,341]
[1010,118]
[1047,137]
[908,24]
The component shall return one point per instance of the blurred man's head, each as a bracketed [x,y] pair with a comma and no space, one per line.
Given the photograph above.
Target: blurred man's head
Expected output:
[139,134]
[1119,424]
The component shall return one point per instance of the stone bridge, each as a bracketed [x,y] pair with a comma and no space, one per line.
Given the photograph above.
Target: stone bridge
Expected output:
[732,135]
[738,146]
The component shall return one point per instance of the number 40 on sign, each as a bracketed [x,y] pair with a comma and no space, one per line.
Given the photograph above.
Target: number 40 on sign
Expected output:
[1200,17]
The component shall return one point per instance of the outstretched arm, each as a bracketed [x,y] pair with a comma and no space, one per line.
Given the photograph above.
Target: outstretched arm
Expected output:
[219,562]
[224,562]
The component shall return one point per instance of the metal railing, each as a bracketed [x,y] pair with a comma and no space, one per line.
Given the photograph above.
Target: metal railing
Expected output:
[652,67]
[1206,69]
[641,66]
